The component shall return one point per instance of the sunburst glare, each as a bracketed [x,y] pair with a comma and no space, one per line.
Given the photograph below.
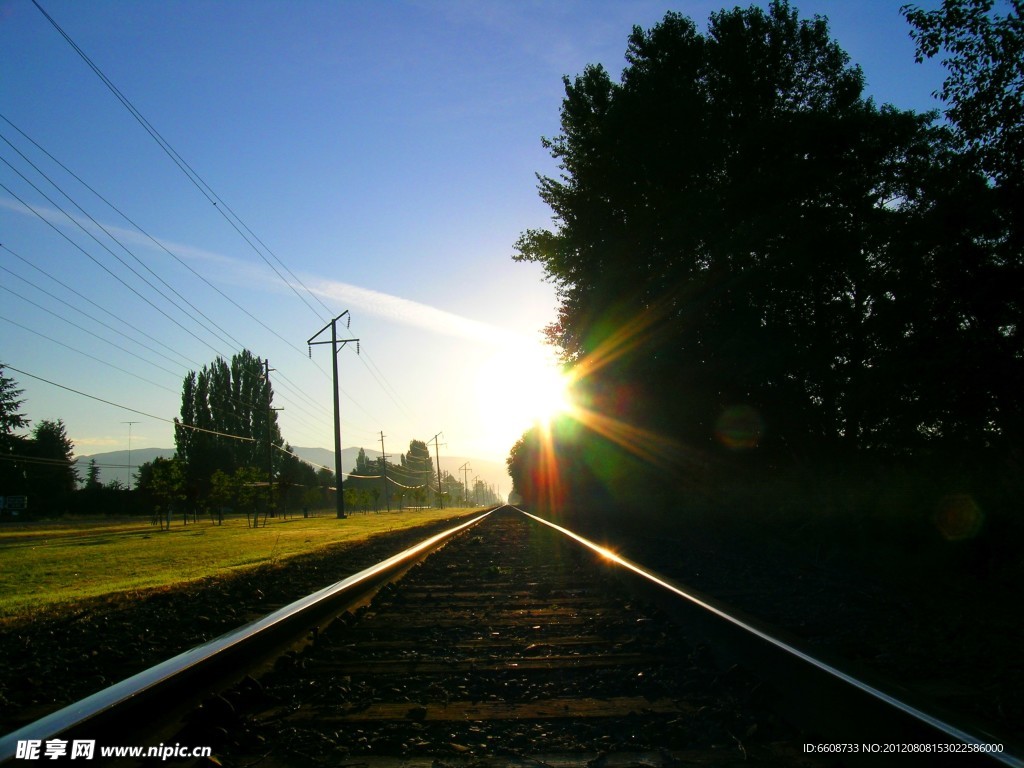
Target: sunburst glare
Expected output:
[520,387]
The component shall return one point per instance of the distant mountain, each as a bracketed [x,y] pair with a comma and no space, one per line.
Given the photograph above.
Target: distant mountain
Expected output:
[113,465]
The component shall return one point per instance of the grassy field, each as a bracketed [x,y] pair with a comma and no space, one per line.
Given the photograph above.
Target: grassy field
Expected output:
[46,564]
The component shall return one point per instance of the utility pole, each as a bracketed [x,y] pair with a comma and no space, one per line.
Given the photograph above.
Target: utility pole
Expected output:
[129,423]
[476,489]
[270,440]
[465,469]
[437,454]
[384,470]
[334,342]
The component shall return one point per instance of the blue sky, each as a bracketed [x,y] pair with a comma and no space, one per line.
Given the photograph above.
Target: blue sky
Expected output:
[385,152]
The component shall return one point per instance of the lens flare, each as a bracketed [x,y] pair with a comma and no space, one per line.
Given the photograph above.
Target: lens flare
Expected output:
[958,517]
[739,427]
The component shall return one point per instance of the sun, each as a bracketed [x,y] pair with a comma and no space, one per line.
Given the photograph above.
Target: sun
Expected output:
[521,387]
[546,394]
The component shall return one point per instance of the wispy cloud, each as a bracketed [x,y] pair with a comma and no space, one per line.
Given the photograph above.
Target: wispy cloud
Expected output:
[127,236]
[384,305]
[410,312]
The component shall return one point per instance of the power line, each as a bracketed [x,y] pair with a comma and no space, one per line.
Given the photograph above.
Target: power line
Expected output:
[386,389]
[176,422]
[223,208]
[98,306]
[86,314]
[229,340]
[152,239]
[21,458]
[94,259]
[86,354]
[185,168]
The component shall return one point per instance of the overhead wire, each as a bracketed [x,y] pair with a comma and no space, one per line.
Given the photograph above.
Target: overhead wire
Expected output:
[386,390]
[176,422]
[296,348]
[99,263]
[42,460]
[157,243]
[222,207]
[86,314]
[86,354]
[205,189]
[87,331]
[185,168]
[293,387]
[93,303]
[197,180]
[397,398]
[230,340]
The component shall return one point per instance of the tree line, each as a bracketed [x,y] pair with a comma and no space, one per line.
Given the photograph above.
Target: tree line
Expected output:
[39,464]
[764,274]
[230,457]
[412,482]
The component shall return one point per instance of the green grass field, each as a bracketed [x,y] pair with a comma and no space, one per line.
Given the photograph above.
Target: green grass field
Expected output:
[44,565]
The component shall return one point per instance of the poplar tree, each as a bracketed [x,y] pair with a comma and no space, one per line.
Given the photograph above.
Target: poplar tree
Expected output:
[230,405]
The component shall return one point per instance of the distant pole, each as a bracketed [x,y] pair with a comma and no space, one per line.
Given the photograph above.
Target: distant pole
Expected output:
[384,469]
[334,342]
[437,454]
[476,489]
[129,423]
[465,469]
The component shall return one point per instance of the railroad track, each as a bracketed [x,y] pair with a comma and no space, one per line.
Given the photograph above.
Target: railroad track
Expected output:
[510,646]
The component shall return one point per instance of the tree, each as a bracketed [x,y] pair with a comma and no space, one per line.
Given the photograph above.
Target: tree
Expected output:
[50,473]
[12,446]
[764,269]
[226,421]
[296,481]
[416,463]
[10,403]
[363,466]
[92,478]
[985,84]
[222,494]
[731,234]
[980,244]
[162,482]
[246,482]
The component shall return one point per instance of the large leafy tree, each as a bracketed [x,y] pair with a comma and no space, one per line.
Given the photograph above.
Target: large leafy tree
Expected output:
[739,230]
[984,57]
[981,226]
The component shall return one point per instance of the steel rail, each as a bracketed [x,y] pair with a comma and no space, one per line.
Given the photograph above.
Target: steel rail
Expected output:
[114,705]
[837,704]
[841,707]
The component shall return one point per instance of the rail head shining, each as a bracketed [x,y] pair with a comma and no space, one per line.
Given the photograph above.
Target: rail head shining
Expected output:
[110,699]
[928,723]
